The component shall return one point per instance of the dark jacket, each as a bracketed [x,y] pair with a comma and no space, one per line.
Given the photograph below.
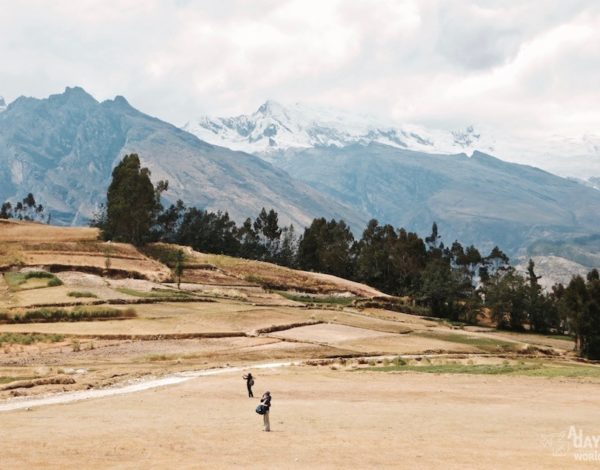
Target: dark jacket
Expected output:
[266,400]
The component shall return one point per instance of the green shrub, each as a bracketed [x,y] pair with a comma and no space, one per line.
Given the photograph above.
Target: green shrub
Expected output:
[78,294]
[55,282]
[154,293]
[26,338]
[398,362]
[14,280]
[53,315]
[38,275]
[317,299]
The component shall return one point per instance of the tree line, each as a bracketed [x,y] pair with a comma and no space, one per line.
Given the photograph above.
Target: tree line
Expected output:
[454,282]
[26,209]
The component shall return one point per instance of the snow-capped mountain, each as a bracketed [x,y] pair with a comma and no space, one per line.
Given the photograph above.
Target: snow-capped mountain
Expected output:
[2,104]
[274,127]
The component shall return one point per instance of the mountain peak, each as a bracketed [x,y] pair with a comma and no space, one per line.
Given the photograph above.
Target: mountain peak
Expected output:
[2,104]
[271,108]
[77,91]
[121,101]
[74,94]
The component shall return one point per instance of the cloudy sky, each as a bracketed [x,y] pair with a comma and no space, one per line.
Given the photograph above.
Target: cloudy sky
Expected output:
[526,69]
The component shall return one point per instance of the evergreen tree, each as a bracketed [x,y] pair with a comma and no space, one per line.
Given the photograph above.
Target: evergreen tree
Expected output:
[6,210]
[132,203]
[540,311]
[169,221]
[374,264]
[250,246]
[440,290]
[433,240]
[26,209]
[505,296]
[288,248]
[208,232]
[267,228]
[582,302]
[327,247]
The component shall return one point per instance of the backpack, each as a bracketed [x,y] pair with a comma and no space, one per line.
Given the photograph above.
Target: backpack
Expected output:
[251,382]
[261,409]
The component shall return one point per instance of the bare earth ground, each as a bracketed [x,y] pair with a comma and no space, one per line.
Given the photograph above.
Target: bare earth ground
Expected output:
[320,419]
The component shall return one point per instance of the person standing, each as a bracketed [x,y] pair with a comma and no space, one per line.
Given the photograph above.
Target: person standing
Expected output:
[266,402]
[249,383]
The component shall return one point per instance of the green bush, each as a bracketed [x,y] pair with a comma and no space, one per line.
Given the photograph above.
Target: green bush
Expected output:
[38,275]
[154,293]
[25,338]
[14,280]
[55,282]
[53,315]
[318,299]
[79,294]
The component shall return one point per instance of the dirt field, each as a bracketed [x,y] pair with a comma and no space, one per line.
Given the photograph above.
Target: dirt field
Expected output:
[320,419]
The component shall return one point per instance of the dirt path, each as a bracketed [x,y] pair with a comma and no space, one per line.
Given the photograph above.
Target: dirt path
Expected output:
[138,386]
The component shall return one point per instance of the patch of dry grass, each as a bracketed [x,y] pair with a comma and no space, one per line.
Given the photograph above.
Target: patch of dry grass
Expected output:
[268,275]
[17,231]
[32,244]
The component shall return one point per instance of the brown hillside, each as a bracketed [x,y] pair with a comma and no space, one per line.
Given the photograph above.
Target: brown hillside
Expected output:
[227,270]
[65,248]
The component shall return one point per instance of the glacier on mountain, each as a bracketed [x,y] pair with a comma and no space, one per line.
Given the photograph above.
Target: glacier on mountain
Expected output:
[274,127]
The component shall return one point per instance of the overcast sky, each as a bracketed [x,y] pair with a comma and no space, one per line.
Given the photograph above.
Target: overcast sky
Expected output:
[529,68]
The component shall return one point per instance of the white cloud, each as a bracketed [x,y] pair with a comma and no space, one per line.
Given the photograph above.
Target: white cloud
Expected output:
[526,68]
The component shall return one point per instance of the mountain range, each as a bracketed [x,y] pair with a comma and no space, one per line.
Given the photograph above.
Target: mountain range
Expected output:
[410,176]
[478,199]
[304,164]
[274,127]
[63,149]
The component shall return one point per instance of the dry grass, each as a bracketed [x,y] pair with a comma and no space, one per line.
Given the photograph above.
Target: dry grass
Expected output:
[270,276]
[32,244]
[13,231]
